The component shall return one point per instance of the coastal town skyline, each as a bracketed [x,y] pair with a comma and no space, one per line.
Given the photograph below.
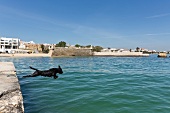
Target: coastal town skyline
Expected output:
[15,44]
[111,23]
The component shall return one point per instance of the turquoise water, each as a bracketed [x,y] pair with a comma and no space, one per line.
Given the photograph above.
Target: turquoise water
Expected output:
[96,85]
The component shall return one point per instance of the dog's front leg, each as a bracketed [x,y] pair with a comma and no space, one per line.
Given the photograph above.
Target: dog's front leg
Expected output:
[54,75]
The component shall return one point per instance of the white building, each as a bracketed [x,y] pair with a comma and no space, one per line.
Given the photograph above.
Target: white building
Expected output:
[30,42]
[8,44]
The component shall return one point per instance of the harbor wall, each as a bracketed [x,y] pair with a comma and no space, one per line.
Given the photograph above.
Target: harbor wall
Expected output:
[11,100]
[121,54]
[61,51]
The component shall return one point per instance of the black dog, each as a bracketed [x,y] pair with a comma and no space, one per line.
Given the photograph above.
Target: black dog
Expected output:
[47,73]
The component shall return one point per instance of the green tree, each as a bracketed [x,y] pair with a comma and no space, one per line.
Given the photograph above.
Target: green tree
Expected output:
[46,51]
[88,46]
[61,44]
[130,50]
[77,45]
[42,47]
[137,49]
[97,48]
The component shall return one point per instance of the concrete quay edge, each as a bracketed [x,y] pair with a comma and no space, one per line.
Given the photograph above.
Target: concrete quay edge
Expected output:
[11,100]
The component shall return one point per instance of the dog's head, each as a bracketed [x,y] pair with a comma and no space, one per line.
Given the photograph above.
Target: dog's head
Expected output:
[60,71]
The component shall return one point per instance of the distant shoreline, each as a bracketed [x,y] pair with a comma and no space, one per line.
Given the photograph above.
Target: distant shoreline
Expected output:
[25,55]
[100,54]
[121,54]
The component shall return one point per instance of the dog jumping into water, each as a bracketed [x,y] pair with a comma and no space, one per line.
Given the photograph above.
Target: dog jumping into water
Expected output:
[47,73]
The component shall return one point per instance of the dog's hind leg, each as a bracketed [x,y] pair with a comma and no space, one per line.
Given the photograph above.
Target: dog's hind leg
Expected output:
[36,73]
[30,76]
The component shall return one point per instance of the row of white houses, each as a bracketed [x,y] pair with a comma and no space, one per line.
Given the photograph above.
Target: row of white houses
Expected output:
[15,45]
[12,45]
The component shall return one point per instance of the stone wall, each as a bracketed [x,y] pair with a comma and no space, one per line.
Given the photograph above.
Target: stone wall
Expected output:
[61,51]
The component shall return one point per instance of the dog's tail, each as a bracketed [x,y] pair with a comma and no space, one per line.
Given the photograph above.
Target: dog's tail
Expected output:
[34,68]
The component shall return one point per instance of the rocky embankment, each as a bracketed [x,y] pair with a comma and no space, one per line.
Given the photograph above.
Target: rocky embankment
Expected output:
[11,100]
[71,52]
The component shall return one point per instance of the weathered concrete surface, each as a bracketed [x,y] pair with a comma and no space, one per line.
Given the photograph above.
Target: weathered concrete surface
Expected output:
[11,100]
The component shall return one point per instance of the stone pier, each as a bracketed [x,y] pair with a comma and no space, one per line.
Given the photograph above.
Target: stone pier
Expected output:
[11,100]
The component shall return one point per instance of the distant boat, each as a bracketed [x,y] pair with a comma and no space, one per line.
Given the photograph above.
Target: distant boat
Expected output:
[162,55]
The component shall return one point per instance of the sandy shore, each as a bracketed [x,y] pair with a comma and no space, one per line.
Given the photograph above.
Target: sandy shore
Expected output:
[25,55]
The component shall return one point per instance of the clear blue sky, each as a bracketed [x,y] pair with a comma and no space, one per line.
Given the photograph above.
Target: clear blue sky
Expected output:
[107,23]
